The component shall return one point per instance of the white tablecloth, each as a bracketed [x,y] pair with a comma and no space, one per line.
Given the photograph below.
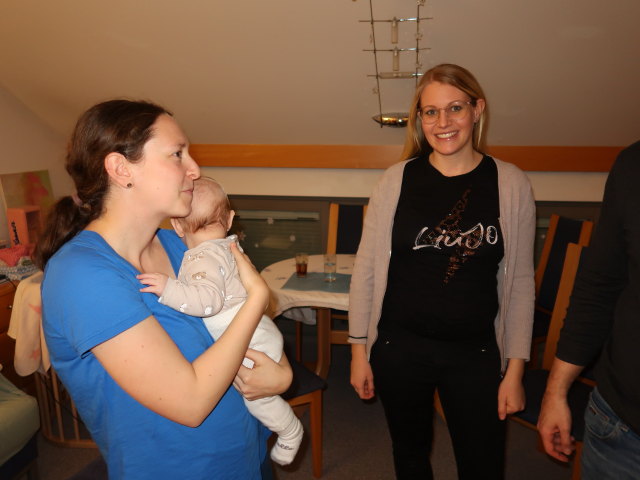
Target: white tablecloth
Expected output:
[287,302]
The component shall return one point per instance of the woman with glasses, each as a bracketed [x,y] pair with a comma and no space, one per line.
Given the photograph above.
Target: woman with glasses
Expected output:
[442,291]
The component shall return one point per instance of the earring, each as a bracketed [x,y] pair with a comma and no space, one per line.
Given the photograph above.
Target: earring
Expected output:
[129,185]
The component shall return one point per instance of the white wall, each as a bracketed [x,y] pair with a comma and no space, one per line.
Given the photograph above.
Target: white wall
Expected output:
[28,144]
[547,186]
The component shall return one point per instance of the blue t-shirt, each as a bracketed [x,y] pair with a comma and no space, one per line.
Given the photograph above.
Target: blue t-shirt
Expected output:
[89,295]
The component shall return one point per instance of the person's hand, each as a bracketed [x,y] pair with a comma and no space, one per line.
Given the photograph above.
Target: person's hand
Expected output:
[253,282]
[361,373]
[155,282]
[554,427]
[265,379]
[511,396]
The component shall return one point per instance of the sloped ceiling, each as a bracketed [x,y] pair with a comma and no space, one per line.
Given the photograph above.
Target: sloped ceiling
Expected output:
[294,71]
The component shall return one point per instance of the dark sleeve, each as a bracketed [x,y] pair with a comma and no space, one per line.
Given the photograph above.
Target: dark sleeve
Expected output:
[603,271]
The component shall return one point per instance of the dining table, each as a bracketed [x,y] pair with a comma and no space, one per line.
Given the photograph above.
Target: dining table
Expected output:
[309,299]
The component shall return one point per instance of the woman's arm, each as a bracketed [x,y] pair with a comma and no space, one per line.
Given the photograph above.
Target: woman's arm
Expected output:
[361,373]
[520,304]
[362,278]
[361,293]
[148,365]
[511,396]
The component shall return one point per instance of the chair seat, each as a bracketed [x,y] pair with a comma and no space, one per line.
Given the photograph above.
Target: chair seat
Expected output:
[535,382]
[304,381]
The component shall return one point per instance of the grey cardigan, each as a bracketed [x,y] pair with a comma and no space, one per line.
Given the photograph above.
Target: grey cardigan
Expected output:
[516,288]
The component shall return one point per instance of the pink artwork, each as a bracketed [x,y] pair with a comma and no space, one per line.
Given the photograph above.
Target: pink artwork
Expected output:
[27,188]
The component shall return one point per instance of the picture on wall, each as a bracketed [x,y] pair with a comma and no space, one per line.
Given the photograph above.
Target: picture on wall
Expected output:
[29,191]
[27,188]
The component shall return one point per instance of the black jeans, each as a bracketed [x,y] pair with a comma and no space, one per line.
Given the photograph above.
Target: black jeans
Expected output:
[408,369]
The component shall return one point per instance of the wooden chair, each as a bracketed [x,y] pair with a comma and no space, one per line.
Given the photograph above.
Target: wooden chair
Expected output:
[345,227]
[59,419]
[535,380]
[306,392]
[344,232]
[561,232]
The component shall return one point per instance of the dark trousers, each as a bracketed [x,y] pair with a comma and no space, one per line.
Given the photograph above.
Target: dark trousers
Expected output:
[406,372]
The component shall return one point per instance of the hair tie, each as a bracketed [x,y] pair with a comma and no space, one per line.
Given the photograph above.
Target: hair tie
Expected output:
[76,199]
[79,203]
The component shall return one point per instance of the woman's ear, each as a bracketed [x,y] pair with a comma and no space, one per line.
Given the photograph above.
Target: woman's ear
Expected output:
[478,109]
[118,168]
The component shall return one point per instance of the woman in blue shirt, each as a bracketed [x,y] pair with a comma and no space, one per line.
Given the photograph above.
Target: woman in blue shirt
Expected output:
[149,382]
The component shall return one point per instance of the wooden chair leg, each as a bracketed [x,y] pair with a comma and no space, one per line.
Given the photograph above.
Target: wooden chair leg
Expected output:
[438,405]
[575,470]
[536,345]
[315,416]
[32,472]
[298,341]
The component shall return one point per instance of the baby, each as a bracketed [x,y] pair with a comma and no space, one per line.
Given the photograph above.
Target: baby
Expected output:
[209,286]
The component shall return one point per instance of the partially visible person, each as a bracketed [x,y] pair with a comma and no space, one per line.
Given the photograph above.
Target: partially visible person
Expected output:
[149,382]
[603,324]
[442,290]
[208,285]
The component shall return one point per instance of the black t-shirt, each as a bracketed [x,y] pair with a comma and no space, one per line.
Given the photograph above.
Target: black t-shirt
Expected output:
[445,251]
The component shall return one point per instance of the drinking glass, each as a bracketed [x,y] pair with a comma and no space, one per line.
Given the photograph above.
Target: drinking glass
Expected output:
[330,267]
[302,259]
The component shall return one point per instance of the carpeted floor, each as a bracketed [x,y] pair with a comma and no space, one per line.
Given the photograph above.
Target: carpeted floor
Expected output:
[356,442]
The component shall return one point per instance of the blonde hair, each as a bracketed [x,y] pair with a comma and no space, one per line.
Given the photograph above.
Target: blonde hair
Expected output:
[415,143]
[210,206]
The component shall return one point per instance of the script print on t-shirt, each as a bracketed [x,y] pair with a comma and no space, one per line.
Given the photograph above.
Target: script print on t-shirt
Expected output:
[448,234]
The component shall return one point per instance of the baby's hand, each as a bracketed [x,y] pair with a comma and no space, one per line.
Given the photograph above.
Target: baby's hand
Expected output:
[155,281]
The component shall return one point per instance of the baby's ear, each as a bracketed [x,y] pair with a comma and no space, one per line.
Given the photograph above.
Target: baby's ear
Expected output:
[177,227]
[232,214]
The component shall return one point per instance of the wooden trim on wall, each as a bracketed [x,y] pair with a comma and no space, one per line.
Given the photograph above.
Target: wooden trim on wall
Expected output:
[530,158]
[296,156]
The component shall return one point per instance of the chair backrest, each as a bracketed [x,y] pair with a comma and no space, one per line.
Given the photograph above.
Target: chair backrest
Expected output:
[565,287]
[345,227]
[59,419]
[561,232]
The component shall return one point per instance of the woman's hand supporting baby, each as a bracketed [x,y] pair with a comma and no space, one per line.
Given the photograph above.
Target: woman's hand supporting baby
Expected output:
[253,282]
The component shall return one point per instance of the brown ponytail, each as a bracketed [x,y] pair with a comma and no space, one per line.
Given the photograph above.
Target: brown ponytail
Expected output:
[121,126]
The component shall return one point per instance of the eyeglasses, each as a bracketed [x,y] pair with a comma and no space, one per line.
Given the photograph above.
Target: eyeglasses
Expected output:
[454,111]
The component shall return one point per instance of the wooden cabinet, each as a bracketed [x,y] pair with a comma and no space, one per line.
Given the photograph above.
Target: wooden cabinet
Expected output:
[7,344]
[24,224]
